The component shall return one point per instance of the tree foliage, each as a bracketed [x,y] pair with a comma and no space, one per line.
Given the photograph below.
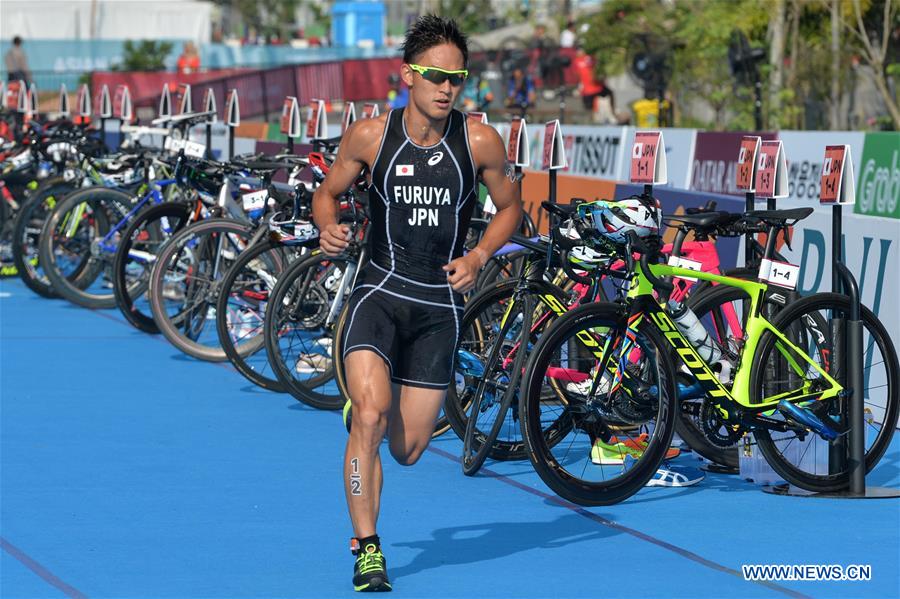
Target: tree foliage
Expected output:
[146,55]
[697,35]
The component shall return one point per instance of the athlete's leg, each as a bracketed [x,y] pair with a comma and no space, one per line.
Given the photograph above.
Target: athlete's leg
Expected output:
[412,422]
[368,378]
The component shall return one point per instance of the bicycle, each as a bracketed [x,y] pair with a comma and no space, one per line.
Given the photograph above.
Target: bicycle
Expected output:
[615,346]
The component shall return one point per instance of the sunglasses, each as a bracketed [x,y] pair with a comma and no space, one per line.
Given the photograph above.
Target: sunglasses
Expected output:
[438,76]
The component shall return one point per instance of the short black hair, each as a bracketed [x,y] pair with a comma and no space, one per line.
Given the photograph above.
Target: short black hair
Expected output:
[17,41]
[429,31]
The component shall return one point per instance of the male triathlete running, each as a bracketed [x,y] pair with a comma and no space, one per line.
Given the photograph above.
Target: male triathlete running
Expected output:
[424,163]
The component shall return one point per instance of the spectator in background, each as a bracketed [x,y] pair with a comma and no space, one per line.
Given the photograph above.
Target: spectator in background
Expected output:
[477,95]
[567,37]
[590,87]
[520,93]
[189,61]
[17,62]
[539,46]
[398,96]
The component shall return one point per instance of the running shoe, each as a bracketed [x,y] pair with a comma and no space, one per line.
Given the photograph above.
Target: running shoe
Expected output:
[312,363]
[613,453]
[676,476]
[641,443]
[370,571]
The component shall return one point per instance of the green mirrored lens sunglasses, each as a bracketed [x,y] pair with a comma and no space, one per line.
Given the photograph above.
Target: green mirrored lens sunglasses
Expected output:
[438,76]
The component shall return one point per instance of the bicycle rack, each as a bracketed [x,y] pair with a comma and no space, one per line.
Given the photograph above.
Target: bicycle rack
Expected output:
[837,188]
[232,118]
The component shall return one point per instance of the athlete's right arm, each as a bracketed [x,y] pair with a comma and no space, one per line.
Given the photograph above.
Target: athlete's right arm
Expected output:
[352,157]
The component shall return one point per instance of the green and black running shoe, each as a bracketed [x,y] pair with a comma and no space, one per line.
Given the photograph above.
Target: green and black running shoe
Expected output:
[348,415]
[370,571]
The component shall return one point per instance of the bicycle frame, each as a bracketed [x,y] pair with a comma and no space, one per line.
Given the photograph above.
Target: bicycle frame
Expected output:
[644,302]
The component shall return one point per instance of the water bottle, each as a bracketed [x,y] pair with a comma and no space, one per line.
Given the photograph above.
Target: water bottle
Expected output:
[693,330]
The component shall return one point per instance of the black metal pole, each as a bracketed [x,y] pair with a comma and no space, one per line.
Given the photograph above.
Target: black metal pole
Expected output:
[209,154]
[290,144]
[230,142]
[837,451]
[856,411]
[749,204]
[552,186]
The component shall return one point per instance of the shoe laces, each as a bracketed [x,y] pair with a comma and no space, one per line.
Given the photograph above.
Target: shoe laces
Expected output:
[370,561]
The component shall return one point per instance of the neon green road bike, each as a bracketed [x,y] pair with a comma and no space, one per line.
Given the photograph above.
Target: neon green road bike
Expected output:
[620,366]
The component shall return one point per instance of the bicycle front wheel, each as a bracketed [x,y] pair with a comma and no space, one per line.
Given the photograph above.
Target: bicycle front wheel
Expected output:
[136,255]
[241,310]
[608,438]
[184,284]
[299,328]
[78,243]
[813,324]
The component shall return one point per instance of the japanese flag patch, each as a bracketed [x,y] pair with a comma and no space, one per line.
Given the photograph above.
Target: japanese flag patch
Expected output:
[403,170]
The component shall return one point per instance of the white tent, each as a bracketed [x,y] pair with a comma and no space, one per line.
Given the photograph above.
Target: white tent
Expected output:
[106,19]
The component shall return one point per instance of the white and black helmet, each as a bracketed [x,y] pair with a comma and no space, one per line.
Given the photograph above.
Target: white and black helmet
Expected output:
[640,214]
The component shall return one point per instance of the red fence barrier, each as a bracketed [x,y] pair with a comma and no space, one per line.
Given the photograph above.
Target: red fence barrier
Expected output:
[262,92]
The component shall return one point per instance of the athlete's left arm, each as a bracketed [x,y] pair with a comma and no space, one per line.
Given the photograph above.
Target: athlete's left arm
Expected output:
[498,175]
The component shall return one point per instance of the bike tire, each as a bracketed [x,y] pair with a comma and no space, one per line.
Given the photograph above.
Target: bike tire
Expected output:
[258,373]
[476,450]
[103,206]
[155,221]
[201,290]
[834,303]
[298,306]
[473,333]
[575,488]
[29,221]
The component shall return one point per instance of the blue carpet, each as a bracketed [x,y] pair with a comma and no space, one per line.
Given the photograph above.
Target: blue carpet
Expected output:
[131,470]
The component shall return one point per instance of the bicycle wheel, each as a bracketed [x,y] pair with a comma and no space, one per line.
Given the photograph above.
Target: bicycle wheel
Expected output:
[608,440]
[241,309]
[184,283]
[480,326]
[29,222]
[80,235]
[135,256]
[500,383]
[804,462]
[340,374]
[299,327]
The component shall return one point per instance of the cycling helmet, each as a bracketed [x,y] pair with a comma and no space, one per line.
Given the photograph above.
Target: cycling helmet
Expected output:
[614,220]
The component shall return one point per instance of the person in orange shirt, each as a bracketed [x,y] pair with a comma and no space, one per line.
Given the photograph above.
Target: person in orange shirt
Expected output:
[590,87]
[189,61]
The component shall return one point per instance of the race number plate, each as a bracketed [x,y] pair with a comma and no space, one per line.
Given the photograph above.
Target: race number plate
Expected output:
[685,263]
[255,200]
[782,274]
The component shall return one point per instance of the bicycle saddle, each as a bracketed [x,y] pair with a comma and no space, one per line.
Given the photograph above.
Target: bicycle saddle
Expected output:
[775,218]
[703,220]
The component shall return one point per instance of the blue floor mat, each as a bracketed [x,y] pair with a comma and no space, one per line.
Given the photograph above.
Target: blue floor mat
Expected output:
[129,469]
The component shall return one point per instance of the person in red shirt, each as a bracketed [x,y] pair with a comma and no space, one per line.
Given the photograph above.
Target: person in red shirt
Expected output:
[189,61]
[589,86]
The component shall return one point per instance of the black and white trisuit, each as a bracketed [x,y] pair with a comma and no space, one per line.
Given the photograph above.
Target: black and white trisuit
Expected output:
[421,199]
